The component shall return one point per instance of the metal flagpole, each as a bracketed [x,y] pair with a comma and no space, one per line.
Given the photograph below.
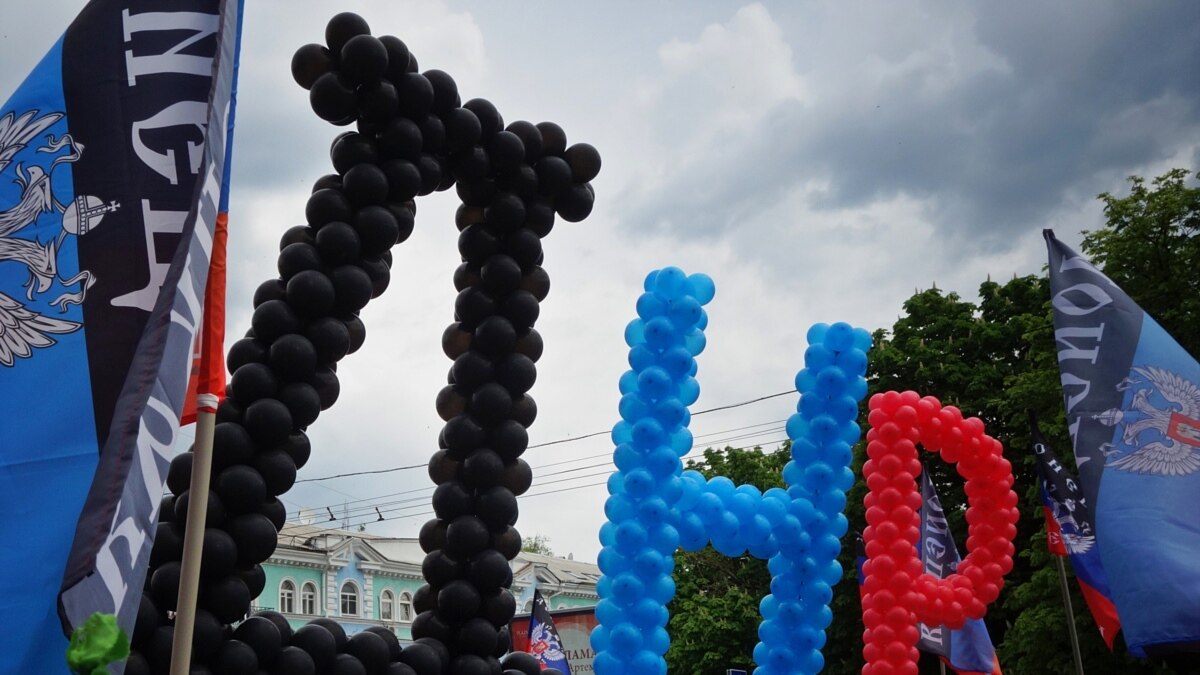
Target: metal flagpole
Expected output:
[942,665]
[1066,593]
[193,543]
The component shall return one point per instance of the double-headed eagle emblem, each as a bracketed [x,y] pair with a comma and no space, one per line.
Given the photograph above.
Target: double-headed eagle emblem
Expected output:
[21,328]
[1160,429]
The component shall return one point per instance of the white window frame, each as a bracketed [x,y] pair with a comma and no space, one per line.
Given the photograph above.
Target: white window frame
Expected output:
[287,596]
[406,607]
[308,598]
[387,605]
[355,596]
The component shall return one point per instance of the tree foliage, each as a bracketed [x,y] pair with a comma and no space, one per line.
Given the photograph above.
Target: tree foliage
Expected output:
[994,359]
[538,543]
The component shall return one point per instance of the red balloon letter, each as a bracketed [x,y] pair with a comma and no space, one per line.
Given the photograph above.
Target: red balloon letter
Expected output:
[897,593]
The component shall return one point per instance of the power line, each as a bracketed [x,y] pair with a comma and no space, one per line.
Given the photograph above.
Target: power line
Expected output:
[371,516]
[548,443]
[374,501]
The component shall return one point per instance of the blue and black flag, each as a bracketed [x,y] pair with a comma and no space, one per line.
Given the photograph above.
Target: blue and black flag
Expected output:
[544,642]
[113,158]
[1070,532]
[967,650]
[1133,411]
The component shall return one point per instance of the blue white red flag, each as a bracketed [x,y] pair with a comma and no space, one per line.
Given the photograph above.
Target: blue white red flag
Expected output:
[967,650]
[1133,411]
[112,165]
[1070,532]
[544,643]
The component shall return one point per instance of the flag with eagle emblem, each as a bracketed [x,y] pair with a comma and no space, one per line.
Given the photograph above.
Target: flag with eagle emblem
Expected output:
[1133,412]
[113,162]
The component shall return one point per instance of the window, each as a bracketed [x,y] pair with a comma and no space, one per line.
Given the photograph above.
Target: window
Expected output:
[529,607]
[349,599]
[308,598]
[385,606]
[406,607]
[287,597]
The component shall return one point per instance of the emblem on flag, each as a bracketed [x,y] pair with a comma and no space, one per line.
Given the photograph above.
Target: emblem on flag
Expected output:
[1159,427]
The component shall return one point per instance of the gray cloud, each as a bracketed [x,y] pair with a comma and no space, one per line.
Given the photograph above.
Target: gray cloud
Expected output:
[1026,107]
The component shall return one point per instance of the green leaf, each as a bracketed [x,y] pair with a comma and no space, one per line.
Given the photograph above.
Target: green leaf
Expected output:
[95,644]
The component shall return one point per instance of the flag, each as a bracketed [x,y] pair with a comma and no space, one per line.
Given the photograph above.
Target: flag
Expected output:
[112,158]
[1133,412]
[1069,531]
[967,650]
[544,642]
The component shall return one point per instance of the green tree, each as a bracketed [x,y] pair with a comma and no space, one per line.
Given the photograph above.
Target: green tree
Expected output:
[1150,249]
[538,543]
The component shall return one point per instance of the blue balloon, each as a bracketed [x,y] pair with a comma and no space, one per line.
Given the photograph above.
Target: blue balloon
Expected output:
[650,306]
[703,288]
[669,283]
[635,333]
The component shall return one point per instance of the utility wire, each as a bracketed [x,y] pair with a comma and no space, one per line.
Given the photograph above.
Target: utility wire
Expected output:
[548,443]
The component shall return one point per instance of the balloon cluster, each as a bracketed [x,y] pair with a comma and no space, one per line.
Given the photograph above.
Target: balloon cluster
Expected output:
[413,136]
[797,530]
[654,505]
[641,535]
[823,431]
[897,593]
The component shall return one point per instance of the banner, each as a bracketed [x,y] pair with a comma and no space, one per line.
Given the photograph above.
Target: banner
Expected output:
[1069,532]
[1133,411]
[112,156]
[968,650]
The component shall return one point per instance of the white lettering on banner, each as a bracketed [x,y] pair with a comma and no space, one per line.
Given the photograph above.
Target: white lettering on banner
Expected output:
[1074,352]
[1065,304]
[153,457]
[172,60]
[157,222]
[181,114]
[1069,380]
[931,634]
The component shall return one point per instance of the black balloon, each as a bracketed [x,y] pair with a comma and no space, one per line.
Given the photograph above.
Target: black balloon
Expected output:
[281,624]
[523,662]
[427,624]
[451,500]
[268,420]
[539,218]
[432,537]
[531,139]
[463,129]
[516,373]
[338,244]
[465,536]
[304,404]
[508,542]
[498,607]
[292,357]
[524,410]
[496,506]
[517,477]
[342,27]
[227,598]
[332,98]
[349,150]
[179,473]
[318,642]
[401,138]
[488,571]
[458,600]
[294,660]
[352,288]
[310,62]
[389,639]
[364,59]
[554,175]
[470,664]
[445,91]
[537,282]
[490,121]
[365,184]
[241,489]
[168,544]
[219,555]
[455,341]
[335,629]
[442,468]
[490,403]
[271,289]
[398,56]
[255,578]
[345,664]
[524,247]
[378,229]
[422,658]
[255,537]
[148,620]
[298,447]
[275,511]
[477,636]
[253,381]
[521,308]
[482,469]
[326,383]
[554,139]
[243,351]
[576,203]
[440,569]
[235,657]
[416,94]
[327,206]
[214,512]
[275,317]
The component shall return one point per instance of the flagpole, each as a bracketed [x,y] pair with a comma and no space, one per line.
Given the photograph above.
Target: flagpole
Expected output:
[193,543]
[1066,593]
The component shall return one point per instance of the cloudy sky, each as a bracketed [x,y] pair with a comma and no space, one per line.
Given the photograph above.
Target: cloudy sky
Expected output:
[821,161]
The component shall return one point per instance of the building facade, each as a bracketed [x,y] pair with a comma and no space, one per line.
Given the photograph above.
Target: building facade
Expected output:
[361,579]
